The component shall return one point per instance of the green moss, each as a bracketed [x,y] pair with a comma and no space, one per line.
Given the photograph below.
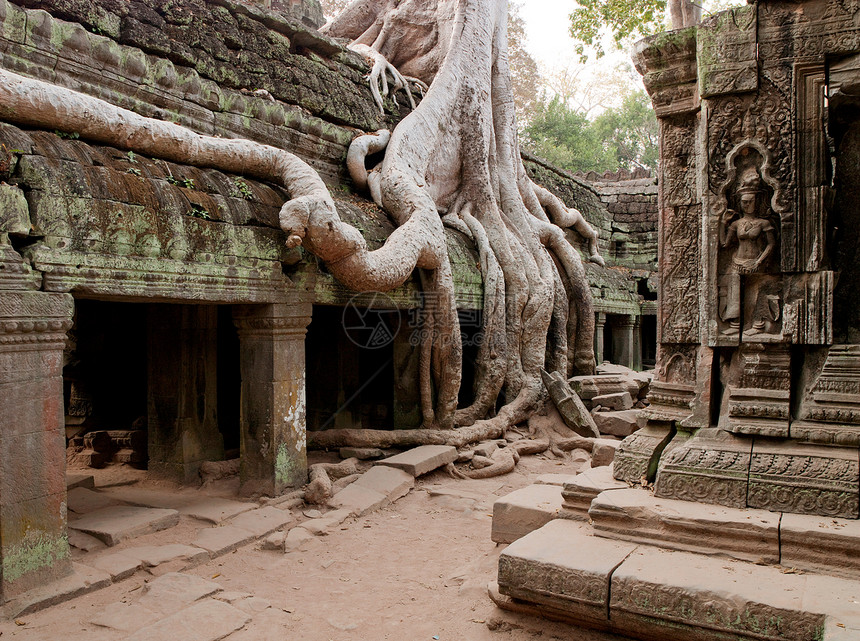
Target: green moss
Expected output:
[32,554]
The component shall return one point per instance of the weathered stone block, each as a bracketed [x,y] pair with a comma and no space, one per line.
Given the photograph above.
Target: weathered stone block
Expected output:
[221,540]
[621,424]
[119,522]
[822,544]
[523,511]
[423,459]
[389,481]
[263,520]
[359,500]
[603,452]
[578,493]
[617,401]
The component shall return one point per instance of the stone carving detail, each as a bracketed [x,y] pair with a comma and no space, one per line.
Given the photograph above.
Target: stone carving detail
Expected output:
[759,390]
[830,412]
[728,64]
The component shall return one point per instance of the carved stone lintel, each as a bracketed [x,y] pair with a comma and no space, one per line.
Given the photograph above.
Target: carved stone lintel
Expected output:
[711,467]
[727,53]
[805,479]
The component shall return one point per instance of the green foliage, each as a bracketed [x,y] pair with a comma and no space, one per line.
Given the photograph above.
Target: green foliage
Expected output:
[131,157]
[622,137]
[198,211]
[188,183]
[134,171]
[74,135]
[242,190]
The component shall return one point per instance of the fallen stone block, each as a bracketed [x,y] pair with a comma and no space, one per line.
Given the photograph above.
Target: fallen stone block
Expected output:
[361,453]
[487,448]
[208,620]
[358,500]
[223,539]
[262,521]
[423,459]
[81,500]
[80,480]
[603,452]
[121,522]
[82,580]
[174,591]
[620,424]
[636,515]
[300,539]
[326,523]
[587,387]
[152,556]
[275,541]
[84,541]
[617,401]
[390,481]
[560,566]
[524,511]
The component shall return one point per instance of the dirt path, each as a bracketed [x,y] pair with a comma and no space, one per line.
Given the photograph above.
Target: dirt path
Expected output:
[415,570]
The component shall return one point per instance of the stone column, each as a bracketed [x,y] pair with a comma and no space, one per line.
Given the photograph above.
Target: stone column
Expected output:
[182,401]
[272,417]
[637,343]
[622,341]
[599,326]
[34,547]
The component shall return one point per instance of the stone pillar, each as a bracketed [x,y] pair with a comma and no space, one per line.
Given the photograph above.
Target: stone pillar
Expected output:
[637,343]
[622,341]
[182,410]
[272,417]
[599,326]
[34,547]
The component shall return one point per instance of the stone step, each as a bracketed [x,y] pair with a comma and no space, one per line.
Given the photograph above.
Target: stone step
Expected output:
[390,481]
[524,510]
[82,580]
[649,593]
[423,459]
[578,493]
[635,514]
[120,522]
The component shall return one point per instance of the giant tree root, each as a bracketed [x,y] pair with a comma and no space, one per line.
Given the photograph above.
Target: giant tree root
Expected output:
[334,439]
[321,488]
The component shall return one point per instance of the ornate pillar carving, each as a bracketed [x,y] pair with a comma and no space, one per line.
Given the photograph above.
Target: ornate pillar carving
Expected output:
[34,546]
[272,416]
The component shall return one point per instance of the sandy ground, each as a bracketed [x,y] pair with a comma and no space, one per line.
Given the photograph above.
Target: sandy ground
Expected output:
[416,570]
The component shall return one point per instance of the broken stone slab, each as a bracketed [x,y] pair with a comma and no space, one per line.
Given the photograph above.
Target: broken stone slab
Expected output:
[487,448]
[587,387]
[620,424]
[83,580]
[821,544]
[578,494]
[358,500]
[636,515]
[390,481]
[300,539]
[81,500]
[174,591]
[221,540]
[209,620]
[422,459]
[562,567]
[84,541]
[124,617]
[554,479]
[151,556]
[215,510]
[262,521]
[616,402]
[324,524]
[120,522]
[86,481]
[118,564]
[523,511]
[275,541]
[150,498]
[693,596]
[361,453]
[603,452]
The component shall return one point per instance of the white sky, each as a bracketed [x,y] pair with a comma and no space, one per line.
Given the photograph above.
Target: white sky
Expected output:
[547,25]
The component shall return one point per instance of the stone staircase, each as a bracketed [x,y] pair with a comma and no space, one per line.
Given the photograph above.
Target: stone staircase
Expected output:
[662,570]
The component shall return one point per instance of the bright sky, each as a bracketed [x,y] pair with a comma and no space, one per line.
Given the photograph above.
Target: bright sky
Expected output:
[547,26]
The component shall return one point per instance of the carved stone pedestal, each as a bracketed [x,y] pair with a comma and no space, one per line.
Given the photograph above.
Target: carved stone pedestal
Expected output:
[637,456]
[272,362]
[830,411]
[34,548]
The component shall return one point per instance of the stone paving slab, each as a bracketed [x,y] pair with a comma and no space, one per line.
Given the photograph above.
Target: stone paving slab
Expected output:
[82,500]
[358,500]
[821,543]
[223,539]
[149,498]
[151,556]
[635,514]
[262,521]
[327,522]
[694,596]
[118,564]
[124,617]
[121,522]
[171,592]
[84,579]
[561,566]
[209,620]
[84,541]
[554,479]
[423,459]
[390,481]
[523,511]
[214,509]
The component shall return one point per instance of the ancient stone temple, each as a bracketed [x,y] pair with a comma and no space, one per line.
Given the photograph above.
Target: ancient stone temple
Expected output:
[151,311]
[751,449]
